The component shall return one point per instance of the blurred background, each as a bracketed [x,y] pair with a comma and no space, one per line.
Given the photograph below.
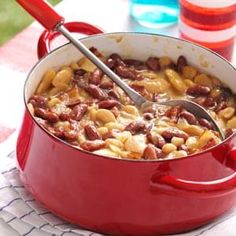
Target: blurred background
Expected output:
[13,19]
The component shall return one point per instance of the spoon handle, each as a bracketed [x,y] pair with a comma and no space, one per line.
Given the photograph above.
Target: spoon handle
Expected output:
[136,97]
[42,12]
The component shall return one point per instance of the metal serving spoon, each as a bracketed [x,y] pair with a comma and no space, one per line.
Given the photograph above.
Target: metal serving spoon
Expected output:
[51,20]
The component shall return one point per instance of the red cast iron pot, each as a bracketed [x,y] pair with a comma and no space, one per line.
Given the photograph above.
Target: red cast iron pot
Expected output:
[127,197]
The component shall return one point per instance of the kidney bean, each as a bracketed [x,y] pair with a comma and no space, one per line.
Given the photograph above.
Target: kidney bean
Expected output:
[51,117]
[38,101]
[111,63]
[108,104]
[46,115]
[198,90]
[191,119]
[96,92]
[129,73]
[91,132]
[133,62]
[181,62]
[152,153]
[95,51]
[153,63]
[115,56]
[139,88]
[148,116]
[78,111]
[125,72]
[106,85]
[205,123]
[113,94]
[64,116]
[72,103]
[115,60]
[156,139]
[136,127]
[93,145]
[173,132]
[96,77]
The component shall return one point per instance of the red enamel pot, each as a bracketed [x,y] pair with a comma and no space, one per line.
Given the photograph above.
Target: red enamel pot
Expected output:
[119,196]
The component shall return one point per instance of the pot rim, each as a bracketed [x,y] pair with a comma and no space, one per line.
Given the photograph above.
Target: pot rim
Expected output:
[115,158]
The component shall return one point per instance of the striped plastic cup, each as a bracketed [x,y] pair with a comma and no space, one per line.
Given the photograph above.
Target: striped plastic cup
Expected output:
[211,23]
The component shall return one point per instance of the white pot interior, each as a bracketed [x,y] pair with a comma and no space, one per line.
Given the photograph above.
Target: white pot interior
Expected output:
[137,46]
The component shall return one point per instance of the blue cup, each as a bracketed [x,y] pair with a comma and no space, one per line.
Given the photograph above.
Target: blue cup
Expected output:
[155,13]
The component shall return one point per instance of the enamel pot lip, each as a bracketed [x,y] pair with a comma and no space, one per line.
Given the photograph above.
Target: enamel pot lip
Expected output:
[113,158]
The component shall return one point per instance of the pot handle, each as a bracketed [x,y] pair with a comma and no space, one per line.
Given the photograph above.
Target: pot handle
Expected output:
[171,185]
[45,39]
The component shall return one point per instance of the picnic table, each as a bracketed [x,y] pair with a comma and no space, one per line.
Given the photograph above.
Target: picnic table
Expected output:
[18,56]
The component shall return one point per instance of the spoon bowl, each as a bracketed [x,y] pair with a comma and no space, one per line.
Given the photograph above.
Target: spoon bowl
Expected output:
[196,110]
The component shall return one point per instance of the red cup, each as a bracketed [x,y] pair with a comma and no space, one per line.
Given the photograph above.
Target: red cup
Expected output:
[209,23]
